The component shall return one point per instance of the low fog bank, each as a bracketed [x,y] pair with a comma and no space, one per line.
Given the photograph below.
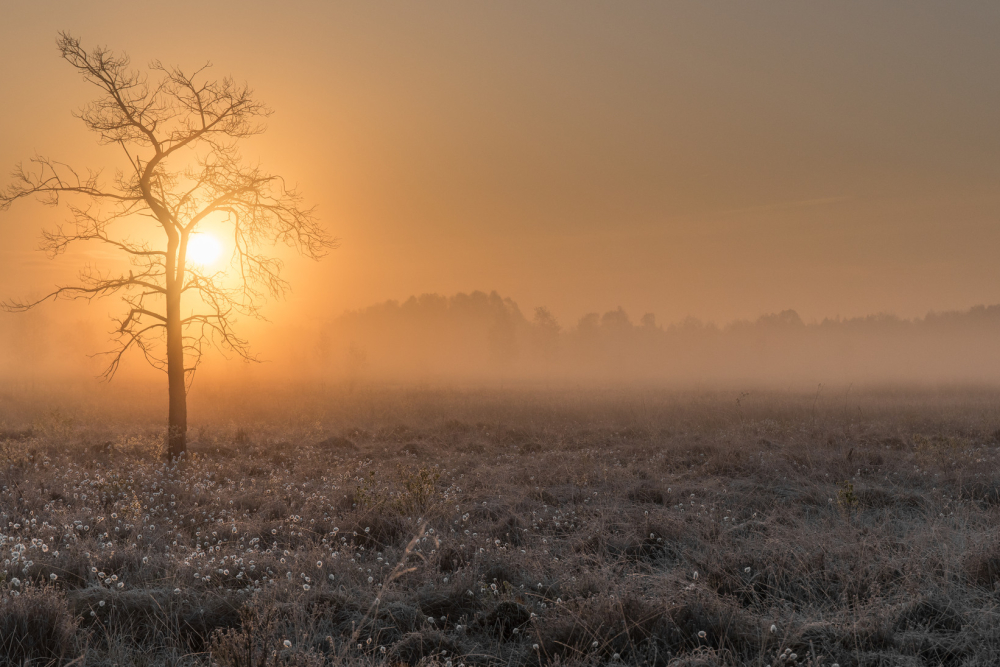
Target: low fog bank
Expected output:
[312,412]
[485,337]
[480,339]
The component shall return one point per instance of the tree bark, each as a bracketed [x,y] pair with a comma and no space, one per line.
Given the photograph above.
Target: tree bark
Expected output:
[177,391]
[177,420]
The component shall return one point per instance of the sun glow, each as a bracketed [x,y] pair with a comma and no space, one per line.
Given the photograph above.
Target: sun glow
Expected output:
[203,249]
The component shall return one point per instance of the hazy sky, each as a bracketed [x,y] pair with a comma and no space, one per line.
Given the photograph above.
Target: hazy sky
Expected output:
[712,159]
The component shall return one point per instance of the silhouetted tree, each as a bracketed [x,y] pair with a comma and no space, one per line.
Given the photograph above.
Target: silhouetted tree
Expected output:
[545,333]
[180,134]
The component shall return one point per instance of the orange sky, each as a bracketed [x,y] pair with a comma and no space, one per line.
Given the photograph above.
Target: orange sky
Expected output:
[719,160]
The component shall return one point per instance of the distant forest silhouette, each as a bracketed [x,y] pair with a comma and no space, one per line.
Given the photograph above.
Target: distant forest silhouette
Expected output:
[482,336]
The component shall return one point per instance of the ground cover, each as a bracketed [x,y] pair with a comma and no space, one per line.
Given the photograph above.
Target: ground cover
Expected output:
[514,529]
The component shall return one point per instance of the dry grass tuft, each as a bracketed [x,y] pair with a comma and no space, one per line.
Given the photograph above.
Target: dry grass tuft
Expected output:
[36,627]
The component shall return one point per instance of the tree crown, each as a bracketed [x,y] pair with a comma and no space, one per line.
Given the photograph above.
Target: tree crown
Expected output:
[180,134]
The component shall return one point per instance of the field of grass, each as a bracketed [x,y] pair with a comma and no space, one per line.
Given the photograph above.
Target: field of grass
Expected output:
[508,528]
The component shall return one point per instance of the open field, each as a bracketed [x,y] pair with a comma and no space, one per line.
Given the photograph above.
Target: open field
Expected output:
[507,528]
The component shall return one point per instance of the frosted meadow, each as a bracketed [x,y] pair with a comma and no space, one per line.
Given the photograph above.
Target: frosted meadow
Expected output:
[421,529]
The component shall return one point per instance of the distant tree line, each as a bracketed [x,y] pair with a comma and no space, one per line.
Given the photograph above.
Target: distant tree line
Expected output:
[481,336]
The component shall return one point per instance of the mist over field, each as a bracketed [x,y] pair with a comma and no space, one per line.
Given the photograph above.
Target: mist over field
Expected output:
[486,339]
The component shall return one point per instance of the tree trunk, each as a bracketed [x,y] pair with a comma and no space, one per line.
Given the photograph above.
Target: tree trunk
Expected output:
[177,420]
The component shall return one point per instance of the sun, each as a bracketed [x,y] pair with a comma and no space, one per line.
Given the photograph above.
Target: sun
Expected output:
[203,249]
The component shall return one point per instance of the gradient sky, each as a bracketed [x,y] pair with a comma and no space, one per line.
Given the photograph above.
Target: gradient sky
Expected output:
[717,160]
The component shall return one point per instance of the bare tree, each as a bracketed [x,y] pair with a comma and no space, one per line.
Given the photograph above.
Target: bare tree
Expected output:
[180,135]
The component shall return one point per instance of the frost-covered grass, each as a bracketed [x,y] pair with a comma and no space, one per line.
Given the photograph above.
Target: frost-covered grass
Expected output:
[513,529]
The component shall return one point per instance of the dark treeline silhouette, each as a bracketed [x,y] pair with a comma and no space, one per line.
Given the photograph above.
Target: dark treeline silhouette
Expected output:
[481,336]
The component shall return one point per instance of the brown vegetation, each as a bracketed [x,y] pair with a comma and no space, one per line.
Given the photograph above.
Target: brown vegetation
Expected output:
[513,528]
